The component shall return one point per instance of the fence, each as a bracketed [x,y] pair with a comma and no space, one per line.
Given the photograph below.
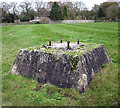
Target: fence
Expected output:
[51,22]
[72,21]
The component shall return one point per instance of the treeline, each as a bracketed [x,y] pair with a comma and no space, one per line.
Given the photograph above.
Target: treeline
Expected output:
[26,11]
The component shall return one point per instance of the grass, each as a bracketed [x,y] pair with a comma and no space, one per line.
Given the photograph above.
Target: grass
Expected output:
[22,91]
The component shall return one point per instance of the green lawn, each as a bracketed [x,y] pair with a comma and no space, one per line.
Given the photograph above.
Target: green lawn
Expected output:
[21,91]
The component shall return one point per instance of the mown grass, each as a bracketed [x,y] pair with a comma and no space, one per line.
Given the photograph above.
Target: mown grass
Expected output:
[21,91]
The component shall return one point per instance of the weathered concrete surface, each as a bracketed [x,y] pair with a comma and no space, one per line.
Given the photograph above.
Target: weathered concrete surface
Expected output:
[63,45]
[61,70]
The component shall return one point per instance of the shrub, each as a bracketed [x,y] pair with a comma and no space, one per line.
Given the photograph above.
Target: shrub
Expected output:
[44,20]
[37,22]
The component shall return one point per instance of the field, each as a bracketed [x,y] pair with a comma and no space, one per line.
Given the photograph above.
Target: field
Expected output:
[21,91]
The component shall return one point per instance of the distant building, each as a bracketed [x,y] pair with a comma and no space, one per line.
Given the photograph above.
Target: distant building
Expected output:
[17,21]
[41,18]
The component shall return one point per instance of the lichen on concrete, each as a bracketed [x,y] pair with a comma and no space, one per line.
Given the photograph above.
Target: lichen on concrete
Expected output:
[60,66]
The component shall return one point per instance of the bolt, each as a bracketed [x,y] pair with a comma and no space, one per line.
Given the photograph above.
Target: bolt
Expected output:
[60,40]
[78,41]
[49,42]
[68,44]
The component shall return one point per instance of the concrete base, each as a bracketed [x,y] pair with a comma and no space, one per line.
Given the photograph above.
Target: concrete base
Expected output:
[62,70]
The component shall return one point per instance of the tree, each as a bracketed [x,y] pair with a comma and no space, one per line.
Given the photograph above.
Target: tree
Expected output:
[7,17]
[5,6]
[112,12]
[26,11]
[80,6]
[55,13]
[26,17]
[105,6]
[38,5]
[12,17]
[26,7]
[65,12]
[71,15]
[95,11]
[71,10]
[14,9]
[100,12]
[31,14]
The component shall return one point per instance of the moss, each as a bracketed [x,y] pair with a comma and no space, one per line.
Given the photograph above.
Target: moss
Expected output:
[21,51]
[71,68]
[57,60]
[79,51]
[30,49]
[53,58]
[74,62]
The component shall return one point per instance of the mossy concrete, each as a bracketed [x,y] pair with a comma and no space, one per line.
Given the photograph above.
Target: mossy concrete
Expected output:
[61,67]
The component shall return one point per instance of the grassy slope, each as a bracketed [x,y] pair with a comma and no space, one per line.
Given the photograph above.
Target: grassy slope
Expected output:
[18,90]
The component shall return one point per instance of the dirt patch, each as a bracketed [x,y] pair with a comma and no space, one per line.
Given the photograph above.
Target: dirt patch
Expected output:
[10,34]
[38,88]
[116,104]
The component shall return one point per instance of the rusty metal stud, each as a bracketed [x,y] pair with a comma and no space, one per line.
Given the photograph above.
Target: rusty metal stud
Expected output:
[68,44]
[78,41]
[60,40]
[49,42]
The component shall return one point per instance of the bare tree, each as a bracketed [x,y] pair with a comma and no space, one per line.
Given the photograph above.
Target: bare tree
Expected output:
[38,5]
[48,8]
[14,8]
[26,7]
[79,6]
[42,8]
[5,6]
[71,14]
[71,11]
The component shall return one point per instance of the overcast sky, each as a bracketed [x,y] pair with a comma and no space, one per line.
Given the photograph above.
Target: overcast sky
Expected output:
[88,3]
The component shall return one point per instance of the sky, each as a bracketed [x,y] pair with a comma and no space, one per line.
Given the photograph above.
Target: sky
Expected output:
[89,3]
